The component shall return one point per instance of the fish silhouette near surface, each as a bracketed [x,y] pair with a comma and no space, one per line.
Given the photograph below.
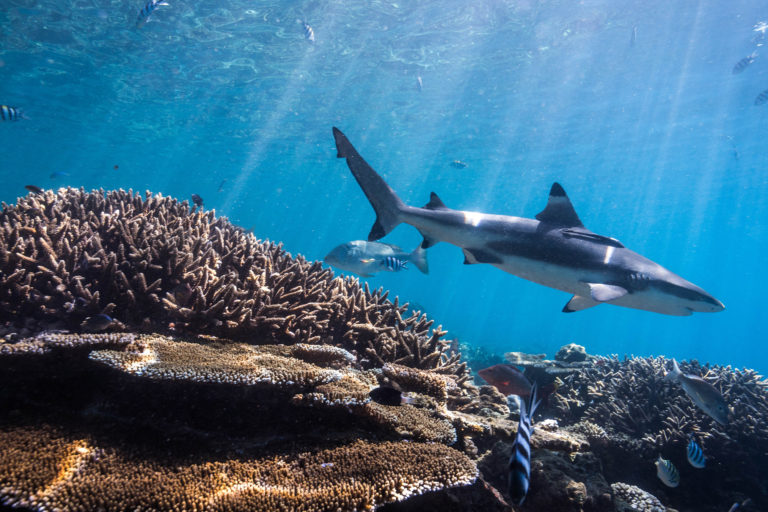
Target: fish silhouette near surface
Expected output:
[554,249]
[309,33]
[507,379]
[762,98]
[704,395]
[744,63]
[366,258]
[520,461]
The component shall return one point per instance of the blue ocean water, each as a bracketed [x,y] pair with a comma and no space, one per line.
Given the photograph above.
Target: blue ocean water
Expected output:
[632,107]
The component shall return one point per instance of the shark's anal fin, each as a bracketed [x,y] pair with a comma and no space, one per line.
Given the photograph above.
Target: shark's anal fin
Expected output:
[579,303]
[472,256]
[559,210]
[606,292]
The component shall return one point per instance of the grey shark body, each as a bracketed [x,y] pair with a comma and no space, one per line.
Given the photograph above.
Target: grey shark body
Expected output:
[554,249]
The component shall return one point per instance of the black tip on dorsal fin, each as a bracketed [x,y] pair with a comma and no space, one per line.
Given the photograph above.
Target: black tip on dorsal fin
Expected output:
[559,210]
[435,203]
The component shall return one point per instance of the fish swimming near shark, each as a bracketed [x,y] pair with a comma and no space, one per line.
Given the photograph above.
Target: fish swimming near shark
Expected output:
[366,258]
[554,249]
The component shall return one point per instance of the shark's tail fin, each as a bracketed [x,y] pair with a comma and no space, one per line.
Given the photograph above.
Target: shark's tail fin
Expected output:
[419,258]
[385,202]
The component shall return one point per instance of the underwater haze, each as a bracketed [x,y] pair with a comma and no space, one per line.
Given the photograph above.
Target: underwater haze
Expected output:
[645,112]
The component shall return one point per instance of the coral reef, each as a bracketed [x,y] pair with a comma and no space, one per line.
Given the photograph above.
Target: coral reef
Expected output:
[630,413]
[152,262]
[48,469]
[629,498]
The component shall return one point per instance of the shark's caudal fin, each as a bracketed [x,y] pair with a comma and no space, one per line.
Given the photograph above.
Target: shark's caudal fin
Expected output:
[385,202]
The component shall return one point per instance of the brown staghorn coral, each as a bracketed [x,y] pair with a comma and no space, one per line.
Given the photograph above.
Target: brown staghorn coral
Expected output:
[50,469]
[642,414]
[151,261]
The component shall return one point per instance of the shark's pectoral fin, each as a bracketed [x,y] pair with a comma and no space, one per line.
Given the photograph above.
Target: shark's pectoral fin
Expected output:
[605,292]
[472,256]
[579,303]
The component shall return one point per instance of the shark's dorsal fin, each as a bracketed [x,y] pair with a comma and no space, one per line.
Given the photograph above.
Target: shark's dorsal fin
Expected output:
[559,210]
[435,203]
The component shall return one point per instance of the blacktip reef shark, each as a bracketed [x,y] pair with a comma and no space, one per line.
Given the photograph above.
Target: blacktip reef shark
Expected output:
[554,249]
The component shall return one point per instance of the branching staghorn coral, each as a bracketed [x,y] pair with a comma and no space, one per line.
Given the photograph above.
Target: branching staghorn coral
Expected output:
[152,262]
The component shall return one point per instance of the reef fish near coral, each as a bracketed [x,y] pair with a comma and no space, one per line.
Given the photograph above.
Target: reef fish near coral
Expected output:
[667,472]
[695,455]
[554,249]
[366,258]
[520,461]
[507,379]
[704,395]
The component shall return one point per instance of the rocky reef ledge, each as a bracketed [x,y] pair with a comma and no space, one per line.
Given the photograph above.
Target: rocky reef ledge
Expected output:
[230,375]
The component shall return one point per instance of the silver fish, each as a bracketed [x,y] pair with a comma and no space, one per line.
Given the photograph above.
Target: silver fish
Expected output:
[667,472]
[704,395]
[309,34]
[366,258]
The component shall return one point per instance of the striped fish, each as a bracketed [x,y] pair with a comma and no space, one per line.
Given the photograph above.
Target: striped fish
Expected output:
[667,472]
[520,461]
[309,34]
[148,9]
[695,455]
[744,63]
[393,264]
[10,113]
[762,97]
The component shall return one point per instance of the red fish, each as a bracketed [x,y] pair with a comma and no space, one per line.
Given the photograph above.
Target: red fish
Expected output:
[507,379]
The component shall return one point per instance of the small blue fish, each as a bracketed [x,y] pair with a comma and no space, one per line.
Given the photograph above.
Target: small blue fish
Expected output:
[148,9]
[393,264]
[8,113]
[59,174]
[309,34]
[97,323]
[744,63]
[520,461]
[458,164]
[695,454]
[667,472]
[762,97]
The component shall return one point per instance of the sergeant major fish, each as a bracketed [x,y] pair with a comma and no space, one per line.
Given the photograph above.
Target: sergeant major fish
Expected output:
[667,472]
[366,258]
[695,455]
[762,97]
[309,34]
[704,395]
[147,10]
[520,461]
[8,113]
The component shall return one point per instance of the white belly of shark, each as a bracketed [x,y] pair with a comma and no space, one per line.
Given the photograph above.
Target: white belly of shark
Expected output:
[554,249]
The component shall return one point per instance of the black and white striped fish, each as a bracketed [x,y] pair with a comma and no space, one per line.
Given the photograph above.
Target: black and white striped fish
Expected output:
[667,472]
[520,461]
[309,34]
[762,97]
[10,113]
[148,9]
[393,264]
[695,454]
[744,63]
